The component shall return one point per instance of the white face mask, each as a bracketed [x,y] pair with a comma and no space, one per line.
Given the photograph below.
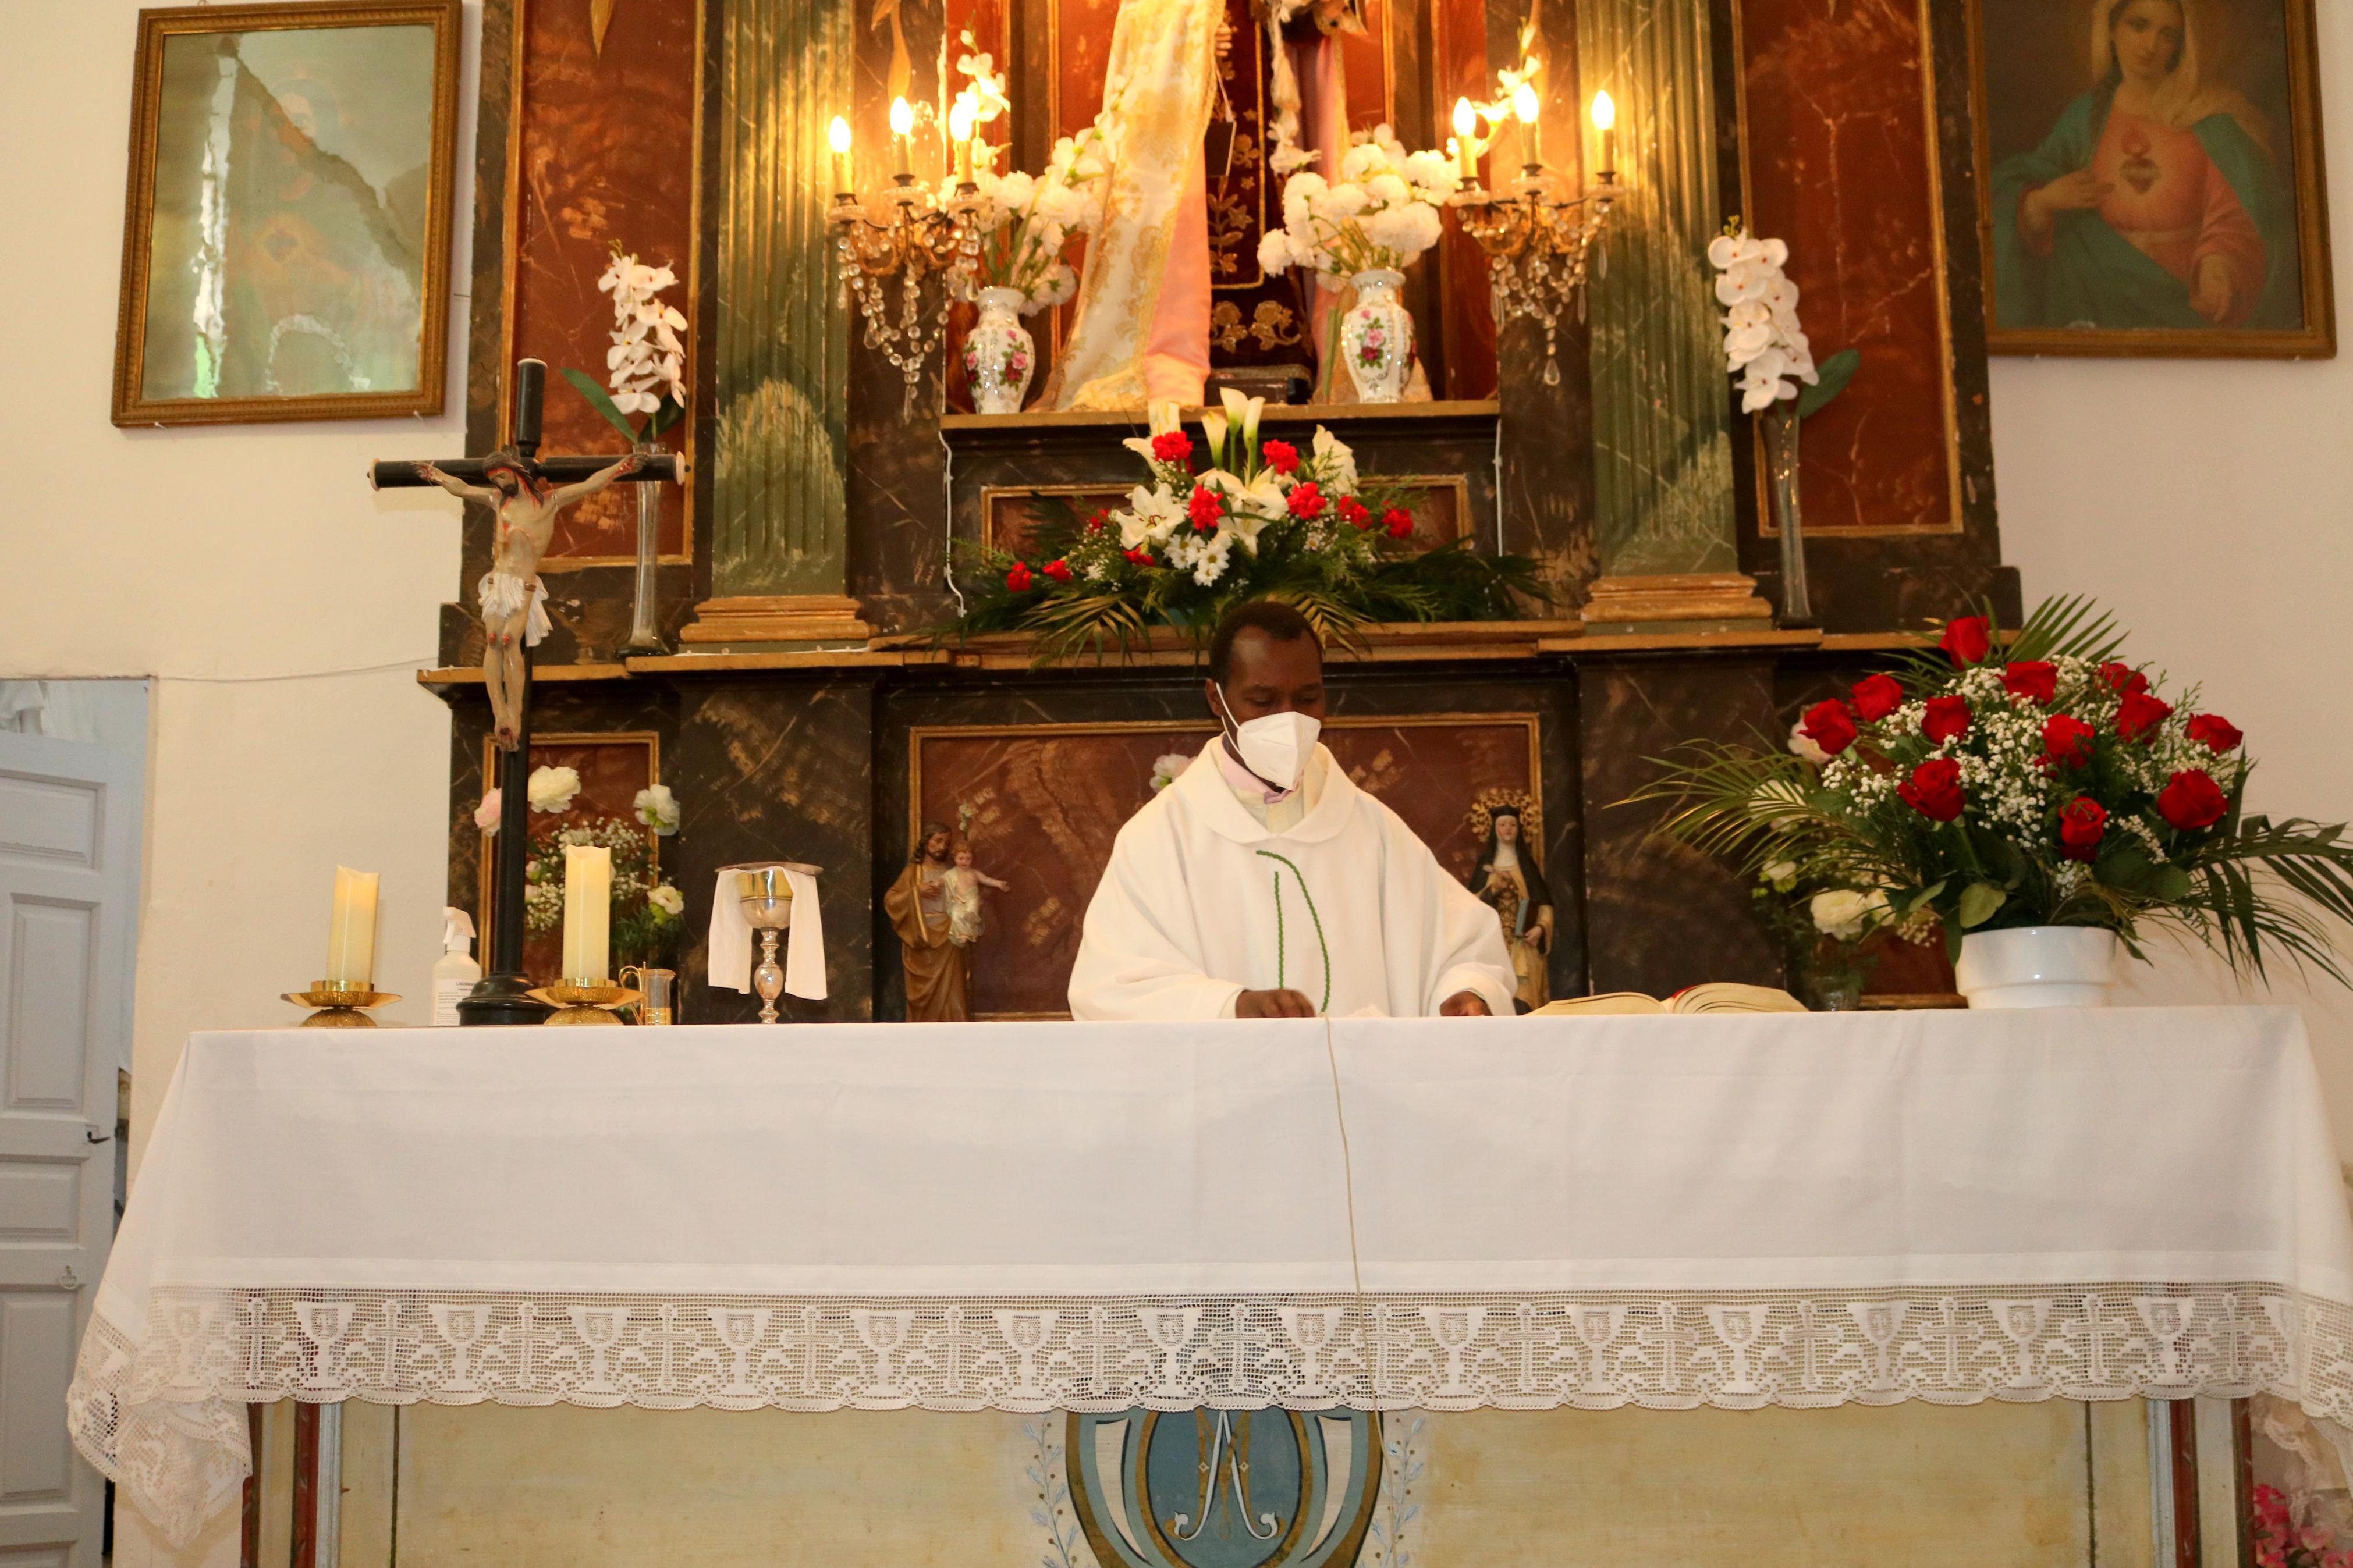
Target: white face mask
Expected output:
[1276,747]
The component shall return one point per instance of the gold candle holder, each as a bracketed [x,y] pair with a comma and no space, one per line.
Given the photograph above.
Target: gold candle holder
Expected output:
[584,1002]
[340,1007]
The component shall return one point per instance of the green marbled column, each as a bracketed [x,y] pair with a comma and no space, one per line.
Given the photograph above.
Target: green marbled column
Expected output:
[1661,409]
[780,523]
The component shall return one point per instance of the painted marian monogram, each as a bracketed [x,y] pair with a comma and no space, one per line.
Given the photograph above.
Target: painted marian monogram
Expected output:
[1225,1488]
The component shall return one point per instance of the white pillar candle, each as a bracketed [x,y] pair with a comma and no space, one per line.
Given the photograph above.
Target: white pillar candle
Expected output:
[587,913]
[351,929]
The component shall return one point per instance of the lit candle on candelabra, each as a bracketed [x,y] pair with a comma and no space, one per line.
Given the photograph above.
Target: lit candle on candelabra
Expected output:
[838,135]
[587,913]
[350,929]
[1466,142]
[902,131]
[960,124]
[1604,119]
[1525,106]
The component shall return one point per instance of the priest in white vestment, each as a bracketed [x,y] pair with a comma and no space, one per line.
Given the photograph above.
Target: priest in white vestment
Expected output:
[1263,883]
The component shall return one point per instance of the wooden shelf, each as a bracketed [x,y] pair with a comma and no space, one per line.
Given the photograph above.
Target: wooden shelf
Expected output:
[1274,414]
[541,674]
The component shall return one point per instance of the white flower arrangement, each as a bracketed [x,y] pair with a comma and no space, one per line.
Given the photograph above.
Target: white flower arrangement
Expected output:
[668,899]
[1025,220]
[657,807]
[644,368]
[552,789]
[1844,914]
[1763,343]
[1382,214]
[1167,768]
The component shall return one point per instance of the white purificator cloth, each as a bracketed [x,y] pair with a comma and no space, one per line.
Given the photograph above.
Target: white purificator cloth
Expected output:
[1734,1210]
[731,941]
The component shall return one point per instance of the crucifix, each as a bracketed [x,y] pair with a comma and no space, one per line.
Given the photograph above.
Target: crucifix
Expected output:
[524,491]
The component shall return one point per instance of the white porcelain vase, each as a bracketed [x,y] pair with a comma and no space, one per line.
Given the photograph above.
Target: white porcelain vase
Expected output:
[2038,966]
[999,355]
[1376,337]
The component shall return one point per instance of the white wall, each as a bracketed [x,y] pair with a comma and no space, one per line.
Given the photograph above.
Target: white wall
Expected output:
[281,607]
[2208,504]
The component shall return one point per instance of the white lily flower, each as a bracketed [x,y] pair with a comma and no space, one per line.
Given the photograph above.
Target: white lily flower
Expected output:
[1335,462]
[1213,425]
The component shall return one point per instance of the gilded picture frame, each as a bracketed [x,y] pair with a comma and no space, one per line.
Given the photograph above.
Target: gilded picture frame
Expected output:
[2169,202]
[286,226]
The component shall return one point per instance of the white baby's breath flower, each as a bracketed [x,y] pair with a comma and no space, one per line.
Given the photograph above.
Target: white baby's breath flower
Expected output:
[552,789]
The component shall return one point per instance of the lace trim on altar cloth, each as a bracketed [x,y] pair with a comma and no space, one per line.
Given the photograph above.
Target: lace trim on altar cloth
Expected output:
[160,1417]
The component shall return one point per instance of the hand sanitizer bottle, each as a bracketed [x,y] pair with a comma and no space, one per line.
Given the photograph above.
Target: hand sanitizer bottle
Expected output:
[455,972]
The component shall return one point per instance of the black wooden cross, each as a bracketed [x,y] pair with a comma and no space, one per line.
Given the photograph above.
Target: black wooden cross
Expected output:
[502,995]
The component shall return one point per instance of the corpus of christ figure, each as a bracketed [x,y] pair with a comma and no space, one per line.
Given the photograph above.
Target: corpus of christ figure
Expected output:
[511,592]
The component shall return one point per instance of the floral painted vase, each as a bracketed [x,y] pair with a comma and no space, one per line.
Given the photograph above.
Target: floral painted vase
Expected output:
[1376,337]
[999,355]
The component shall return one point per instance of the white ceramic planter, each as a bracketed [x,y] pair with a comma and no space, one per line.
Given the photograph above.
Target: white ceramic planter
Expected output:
[2038,966]
[1376,337]
[998,357]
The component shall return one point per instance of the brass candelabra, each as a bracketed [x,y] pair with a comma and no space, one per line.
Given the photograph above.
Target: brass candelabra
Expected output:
[1538,244]
[920,238]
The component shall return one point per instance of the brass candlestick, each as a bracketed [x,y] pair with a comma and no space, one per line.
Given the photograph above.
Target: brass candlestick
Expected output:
[588,1002]
[768,908]
[339,1006]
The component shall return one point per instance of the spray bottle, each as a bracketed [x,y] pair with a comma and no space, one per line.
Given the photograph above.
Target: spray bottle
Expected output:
[455,972]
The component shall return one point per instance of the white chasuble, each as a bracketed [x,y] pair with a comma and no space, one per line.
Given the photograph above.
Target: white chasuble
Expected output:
[1157,89]
[1201,903]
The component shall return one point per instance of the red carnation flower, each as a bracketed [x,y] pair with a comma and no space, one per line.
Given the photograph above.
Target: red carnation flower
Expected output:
[1137,557]
[1967,640]
[1282,456]
[1354,513]
[2139,714]
[1934,790]
[1097,523]
[2083,822]
[2066,742]
[2216,734]
[1875,697]
[1205,508]
[1830,726]
[2122,678]
[2035,680]
[1947,719]
[1307,500]
[1398,521]
[1172,446]
[1019,579]
[1060,571]
[2191,800]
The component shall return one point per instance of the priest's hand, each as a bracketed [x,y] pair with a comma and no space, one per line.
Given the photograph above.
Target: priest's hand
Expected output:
[1273,1005]
[1464,1005]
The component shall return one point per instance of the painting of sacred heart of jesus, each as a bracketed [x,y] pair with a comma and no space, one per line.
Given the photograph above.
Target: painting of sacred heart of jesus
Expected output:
[2149,177]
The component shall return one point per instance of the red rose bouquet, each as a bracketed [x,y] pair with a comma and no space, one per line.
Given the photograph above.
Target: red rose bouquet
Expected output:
[2033,781]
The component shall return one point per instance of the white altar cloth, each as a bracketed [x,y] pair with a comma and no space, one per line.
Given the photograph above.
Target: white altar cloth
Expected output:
[1795,1210]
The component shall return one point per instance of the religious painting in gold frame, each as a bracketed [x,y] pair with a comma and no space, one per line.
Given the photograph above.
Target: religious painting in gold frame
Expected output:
[2150,178]
[613,768]
[285,233]
[1041,804]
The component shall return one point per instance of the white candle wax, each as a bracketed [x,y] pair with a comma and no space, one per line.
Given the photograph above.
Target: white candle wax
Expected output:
[588,912]
[351,929]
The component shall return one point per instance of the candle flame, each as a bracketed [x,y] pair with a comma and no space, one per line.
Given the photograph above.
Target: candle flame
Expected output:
[903,118]
[838,133]
[1466,118]
[1604,112]
[1525,105]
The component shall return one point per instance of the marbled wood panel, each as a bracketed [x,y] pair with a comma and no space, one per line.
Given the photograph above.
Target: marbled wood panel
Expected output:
[771,768]
[1661,915]
[1049,797]
[607,154]
[1842,167]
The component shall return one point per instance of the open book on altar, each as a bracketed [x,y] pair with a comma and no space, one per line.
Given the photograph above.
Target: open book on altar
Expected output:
[1718,996]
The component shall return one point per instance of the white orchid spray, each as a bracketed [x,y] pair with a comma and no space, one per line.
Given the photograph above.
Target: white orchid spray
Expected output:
[645,366]
[1381,213]
[1764,344]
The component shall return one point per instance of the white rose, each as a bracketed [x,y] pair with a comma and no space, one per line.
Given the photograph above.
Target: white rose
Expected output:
[1166,769]
[1841,913]
[668,899]
[552,789]
[486,815]
[1804,748]
[1780,875]
[657,809]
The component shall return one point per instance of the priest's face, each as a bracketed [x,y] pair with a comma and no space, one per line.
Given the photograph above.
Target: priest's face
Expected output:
[1269,675]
